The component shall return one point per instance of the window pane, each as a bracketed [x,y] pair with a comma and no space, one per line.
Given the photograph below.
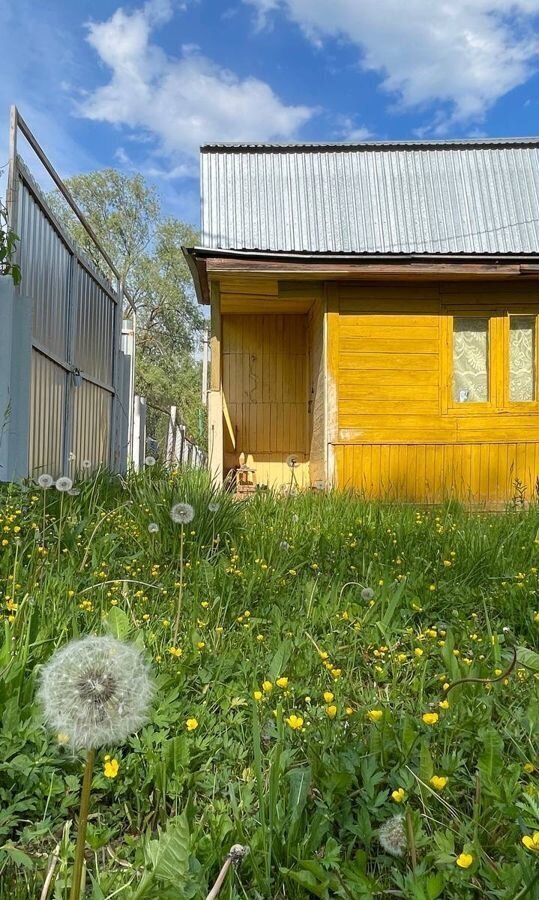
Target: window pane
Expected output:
[522,358]
[470,359]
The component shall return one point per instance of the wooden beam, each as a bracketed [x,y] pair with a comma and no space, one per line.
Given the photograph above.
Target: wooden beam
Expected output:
[221,267]
[331,331]
[215,394]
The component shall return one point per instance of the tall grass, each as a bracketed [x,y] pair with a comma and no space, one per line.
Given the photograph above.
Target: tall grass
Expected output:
[276,588]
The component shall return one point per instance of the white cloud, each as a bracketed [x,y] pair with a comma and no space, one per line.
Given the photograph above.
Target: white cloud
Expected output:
[464,53]
[184,101]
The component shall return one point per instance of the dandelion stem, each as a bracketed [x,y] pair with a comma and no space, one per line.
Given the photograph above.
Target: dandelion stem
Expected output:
[83,821]
[180,593]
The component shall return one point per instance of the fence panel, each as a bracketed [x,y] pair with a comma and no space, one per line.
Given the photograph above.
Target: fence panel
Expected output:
[81,380]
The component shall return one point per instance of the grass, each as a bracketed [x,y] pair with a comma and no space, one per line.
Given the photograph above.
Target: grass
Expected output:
[366,611]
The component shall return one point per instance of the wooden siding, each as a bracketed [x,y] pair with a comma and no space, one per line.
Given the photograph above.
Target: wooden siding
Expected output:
[265,387]
[397,434]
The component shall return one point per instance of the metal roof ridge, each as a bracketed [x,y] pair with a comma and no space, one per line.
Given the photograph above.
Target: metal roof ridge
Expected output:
[368,145]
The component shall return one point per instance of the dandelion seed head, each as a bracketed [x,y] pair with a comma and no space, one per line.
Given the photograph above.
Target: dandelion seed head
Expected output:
[392,836]
[96,690]
[150,461]
[74,492]
[292,461]
[45,481]
[86,463]
[367,593]
[64,483]
[182,513]
[213,507]
[153,527]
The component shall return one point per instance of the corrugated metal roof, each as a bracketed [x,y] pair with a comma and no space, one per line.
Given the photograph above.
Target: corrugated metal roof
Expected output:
[471,197]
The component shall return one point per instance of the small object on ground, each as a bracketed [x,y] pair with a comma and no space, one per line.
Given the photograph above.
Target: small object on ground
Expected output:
[235,855]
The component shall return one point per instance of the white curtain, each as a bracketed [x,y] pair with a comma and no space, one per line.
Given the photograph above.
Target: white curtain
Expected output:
[522,358]
[470,359]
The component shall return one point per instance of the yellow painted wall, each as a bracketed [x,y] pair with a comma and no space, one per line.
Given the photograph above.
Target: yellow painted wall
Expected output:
[393,431]
[265,393]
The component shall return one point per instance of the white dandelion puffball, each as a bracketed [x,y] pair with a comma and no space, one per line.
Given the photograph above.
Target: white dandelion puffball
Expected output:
[96,690]
[86,463]
[367,593]
[64,484]
[153,527]
[213,507]
[392,836]
[45,481]
[292,461]
[150,461]
[182,513]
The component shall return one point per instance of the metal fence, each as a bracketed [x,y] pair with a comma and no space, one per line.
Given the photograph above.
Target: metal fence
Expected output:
[166,438]
[69,396]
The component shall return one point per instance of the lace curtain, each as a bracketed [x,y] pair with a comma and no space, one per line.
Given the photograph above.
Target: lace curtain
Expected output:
[522,358]
[470,359]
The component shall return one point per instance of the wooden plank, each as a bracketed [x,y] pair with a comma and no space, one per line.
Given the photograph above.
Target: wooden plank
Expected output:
[403,360]
[358,268]
[215,394]
[334,363]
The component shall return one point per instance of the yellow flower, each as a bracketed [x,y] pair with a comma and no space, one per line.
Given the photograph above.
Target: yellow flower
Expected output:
[336,673]
[536,618]
[529,768]
[418,652]
[328,697]
[111,767]
[439,782]
[282,682]
[260,637]
[331,711]
[191,724]
[464,860]
[531,842]
[175,651]
[294,722]
[323,655]
[204,604]
[200,645]
[375,714]
[267,687]
[444,704]
[398,795]
[62,738]
[430,718]
[348,710]
[257,695]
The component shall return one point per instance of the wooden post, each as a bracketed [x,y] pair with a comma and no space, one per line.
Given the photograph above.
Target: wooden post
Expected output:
[331,341]
[215,395]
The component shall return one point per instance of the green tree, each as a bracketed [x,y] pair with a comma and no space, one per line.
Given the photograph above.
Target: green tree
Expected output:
[124,212]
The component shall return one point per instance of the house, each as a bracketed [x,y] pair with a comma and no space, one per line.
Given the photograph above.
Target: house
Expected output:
[374,315]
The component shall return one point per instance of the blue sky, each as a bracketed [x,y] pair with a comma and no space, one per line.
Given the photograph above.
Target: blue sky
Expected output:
[141,85]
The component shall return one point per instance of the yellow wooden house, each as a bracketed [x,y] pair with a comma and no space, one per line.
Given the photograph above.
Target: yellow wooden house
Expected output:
[374,315]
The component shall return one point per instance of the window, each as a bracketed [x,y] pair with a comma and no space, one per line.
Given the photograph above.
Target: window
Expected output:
[521,359]
[491,359]
[470,359]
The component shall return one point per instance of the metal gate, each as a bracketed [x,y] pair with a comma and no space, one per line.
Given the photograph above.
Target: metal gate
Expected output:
[81,381]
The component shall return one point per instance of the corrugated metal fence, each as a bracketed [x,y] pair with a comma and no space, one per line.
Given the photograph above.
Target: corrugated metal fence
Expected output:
[81,380]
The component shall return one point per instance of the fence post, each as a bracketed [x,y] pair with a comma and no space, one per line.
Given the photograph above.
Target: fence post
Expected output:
[139,433]
[171,437]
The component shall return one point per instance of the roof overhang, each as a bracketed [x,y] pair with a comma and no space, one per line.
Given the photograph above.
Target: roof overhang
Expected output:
[206,265]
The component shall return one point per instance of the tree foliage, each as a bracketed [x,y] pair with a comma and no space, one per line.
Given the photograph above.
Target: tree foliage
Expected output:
[125,214]
[8,243]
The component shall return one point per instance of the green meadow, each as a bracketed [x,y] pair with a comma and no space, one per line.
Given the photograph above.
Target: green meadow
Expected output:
[347,689]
